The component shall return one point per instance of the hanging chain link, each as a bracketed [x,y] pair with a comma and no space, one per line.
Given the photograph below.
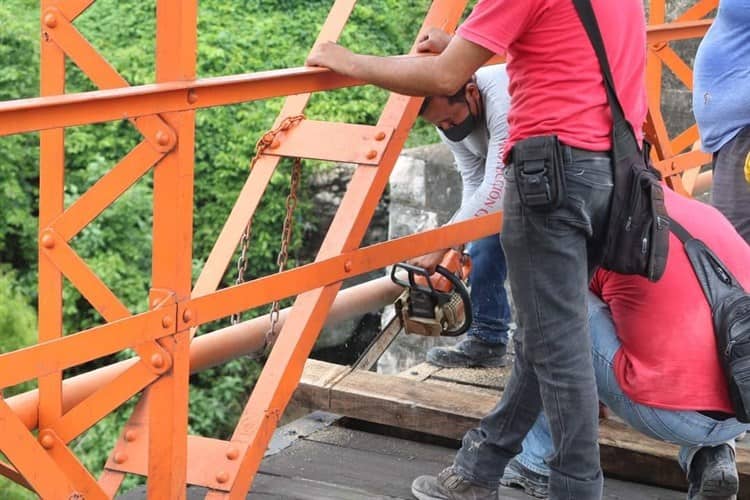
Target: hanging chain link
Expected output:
[266,141]
[286,238]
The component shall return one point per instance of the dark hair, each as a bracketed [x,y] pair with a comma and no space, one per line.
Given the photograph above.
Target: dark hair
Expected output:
[459,96]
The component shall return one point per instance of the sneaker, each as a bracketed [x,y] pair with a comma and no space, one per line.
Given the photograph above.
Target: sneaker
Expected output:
[713,474]
[468,353]
[449,485]
[516,475]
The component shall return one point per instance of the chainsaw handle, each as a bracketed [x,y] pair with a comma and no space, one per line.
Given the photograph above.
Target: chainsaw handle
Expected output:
[462,292]
[412,271]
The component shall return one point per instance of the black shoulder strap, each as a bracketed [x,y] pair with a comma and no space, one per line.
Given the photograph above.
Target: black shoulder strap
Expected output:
[588,18]
[714,276]
[680,231]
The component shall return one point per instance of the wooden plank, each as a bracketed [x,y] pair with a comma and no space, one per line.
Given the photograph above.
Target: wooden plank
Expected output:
[449,410]
[378,474]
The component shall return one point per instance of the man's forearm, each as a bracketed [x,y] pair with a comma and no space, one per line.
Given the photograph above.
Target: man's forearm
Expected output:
[407,75]
[443,74]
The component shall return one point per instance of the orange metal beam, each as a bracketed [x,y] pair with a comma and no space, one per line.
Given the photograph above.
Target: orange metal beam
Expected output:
[28,115]
[337,142]
[213,348]
[73,350]
[51,198]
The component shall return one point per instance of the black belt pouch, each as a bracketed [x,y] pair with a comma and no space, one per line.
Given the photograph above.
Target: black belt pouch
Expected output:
[539,171]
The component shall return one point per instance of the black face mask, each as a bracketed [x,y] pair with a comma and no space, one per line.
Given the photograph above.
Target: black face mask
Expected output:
[459,132]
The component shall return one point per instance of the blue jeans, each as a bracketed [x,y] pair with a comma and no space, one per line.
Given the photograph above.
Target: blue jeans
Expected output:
[551,256]
[489,300]
[689,429]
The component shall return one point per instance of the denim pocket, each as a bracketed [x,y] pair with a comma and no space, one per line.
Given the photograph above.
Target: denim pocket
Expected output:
[591,172]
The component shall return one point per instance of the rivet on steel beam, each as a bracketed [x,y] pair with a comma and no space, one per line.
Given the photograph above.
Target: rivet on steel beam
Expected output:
[380,136]
[47,440]
[50,20]
[166,321]
[222,477]
[48,241]
[120,457]
[275,144]
[372,154]
[130,435]
[192,96]
[233,453]
[187,315]
[162,138]
[157,360]
[348,266]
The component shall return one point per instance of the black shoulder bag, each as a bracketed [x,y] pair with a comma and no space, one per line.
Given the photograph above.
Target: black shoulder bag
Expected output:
[730,311]
[637,240]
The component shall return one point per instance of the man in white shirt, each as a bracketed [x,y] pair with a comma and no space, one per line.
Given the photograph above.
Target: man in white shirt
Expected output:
[473,123]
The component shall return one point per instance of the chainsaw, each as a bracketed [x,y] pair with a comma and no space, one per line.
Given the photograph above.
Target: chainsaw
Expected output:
[438,304]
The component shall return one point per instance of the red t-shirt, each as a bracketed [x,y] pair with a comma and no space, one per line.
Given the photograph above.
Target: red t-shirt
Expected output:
[668,357]
[556,85]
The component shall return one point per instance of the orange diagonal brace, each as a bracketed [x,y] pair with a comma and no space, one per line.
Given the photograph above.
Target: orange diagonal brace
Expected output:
[28,457]
[81,275]
[699,10]
[61,31]
[85,484]
[686,139]
[72,8]
[104,401]
[680,69]
[11,473]
[102,194]
[106,190]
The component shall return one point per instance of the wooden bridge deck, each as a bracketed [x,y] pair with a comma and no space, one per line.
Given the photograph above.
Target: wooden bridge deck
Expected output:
[445,403]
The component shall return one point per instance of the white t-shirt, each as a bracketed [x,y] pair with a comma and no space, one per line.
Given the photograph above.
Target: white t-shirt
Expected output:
[479,157]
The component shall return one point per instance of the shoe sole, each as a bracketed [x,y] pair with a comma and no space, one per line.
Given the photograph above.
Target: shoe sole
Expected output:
[724,487]
[529,487]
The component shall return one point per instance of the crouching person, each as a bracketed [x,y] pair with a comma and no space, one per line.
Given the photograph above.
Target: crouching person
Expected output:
[656,362]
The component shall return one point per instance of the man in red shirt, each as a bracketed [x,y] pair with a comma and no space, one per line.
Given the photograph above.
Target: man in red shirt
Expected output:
[556,88]
[656,362]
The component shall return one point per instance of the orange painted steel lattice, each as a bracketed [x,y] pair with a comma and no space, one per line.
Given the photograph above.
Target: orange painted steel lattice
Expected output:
[155,442]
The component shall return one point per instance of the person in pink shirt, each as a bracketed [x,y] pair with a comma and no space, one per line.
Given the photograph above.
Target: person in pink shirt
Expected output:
[556,89]
[656,361]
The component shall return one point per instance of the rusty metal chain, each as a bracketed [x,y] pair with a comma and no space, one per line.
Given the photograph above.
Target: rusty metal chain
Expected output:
[286,238]
[268,140]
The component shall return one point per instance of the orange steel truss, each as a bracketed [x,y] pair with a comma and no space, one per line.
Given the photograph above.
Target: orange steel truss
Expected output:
[155,441]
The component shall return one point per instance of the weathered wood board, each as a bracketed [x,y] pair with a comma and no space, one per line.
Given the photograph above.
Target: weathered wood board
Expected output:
[447,404]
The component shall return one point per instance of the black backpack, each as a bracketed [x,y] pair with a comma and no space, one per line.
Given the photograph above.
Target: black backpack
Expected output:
[730,310]
[637,240]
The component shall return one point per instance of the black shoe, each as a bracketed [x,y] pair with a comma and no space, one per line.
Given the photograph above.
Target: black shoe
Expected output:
[450,485]
[517,475]
[470,352]
[713,474]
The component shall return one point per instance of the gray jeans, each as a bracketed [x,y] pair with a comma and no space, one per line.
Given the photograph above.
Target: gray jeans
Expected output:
[730,192]
[551,257]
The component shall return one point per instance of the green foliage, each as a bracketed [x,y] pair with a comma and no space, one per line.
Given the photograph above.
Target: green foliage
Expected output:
[240,36]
